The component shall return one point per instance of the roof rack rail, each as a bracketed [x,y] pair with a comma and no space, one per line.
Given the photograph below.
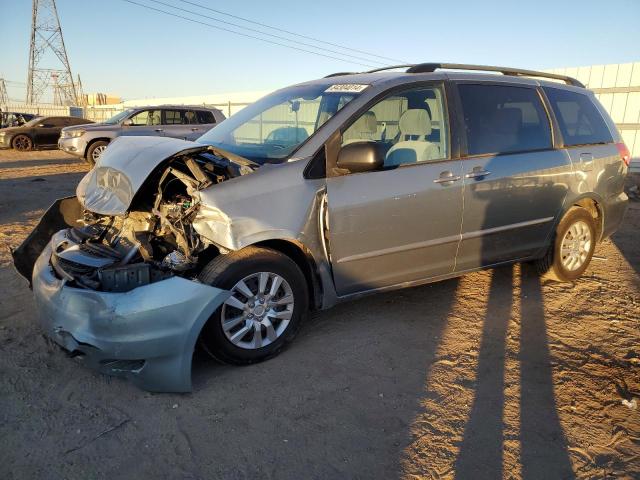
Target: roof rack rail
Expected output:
[516,72]
[339,74]
[432,67]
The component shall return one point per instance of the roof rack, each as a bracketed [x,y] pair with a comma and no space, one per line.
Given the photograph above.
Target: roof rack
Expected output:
[515,72]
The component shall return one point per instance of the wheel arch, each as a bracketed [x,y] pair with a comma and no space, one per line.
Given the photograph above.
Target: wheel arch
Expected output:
[592,204]
[94,140]
[297,252]
[25,134]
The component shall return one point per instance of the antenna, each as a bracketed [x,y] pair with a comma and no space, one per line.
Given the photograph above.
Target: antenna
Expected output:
[46,38]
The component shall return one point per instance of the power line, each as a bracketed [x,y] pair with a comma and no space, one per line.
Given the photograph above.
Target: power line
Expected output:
[267,34]
[148,7]
[290,32]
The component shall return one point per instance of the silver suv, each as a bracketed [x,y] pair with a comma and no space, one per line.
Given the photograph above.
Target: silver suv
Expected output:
[316,194]
[177,121]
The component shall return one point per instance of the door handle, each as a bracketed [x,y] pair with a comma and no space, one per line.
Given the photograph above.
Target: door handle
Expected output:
[158,130]
[447,177]
[477,172]
[195,129]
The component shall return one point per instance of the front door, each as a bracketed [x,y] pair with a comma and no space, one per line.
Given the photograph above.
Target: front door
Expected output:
[145,123]
[49,133]
[515,181]
[401,223]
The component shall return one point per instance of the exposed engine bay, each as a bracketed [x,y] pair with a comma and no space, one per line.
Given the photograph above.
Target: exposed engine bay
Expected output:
[154,239]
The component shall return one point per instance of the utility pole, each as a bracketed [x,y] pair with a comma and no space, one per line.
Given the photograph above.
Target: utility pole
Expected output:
[82,101]
[4,96]
[46,38]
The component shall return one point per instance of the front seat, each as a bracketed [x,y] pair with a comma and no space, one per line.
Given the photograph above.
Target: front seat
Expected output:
[415,126]
[363,129]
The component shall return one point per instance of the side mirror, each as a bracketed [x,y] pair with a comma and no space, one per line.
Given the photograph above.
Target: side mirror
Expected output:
[127,123]
[360,157]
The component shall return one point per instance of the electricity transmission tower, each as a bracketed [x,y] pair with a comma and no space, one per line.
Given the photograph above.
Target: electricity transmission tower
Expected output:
[47,51]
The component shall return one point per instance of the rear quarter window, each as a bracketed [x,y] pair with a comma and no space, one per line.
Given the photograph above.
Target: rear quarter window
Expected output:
[205,117]
[503,119]
[578,118]
[56,121]
[78,121]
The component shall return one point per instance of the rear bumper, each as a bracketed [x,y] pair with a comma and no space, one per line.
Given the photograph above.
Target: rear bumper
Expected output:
[147,334]
[74,146]
[615,209]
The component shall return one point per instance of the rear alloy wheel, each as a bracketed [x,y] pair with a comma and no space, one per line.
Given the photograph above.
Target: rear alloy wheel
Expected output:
[95,150]
[22,143]
[572,249]
[268,300]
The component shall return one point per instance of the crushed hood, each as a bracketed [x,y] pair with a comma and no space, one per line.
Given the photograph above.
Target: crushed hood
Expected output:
[110,186]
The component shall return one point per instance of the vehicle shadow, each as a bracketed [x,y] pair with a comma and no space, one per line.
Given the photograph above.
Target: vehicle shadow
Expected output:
[355,374]
[481,451]
[39,163]
[626,237]
[543,443]
[543,446]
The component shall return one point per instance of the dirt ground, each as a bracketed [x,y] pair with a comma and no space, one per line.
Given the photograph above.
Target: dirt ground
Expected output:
[492,375]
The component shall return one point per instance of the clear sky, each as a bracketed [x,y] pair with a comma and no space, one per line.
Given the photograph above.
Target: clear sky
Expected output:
[121,48]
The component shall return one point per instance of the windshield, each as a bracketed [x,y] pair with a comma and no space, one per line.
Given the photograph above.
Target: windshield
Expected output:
[118,118]
[271,129]
[34,122]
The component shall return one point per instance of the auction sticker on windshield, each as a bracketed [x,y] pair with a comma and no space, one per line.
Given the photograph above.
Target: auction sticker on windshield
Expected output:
[346,88]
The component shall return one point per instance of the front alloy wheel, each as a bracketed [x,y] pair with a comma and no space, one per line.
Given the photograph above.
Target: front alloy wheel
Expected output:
[95,154]
[268,300]
[22,143]
[258,311]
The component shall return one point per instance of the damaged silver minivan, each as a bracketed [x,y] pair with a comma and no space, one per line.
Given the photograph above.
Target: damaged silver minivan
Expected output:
[317,193]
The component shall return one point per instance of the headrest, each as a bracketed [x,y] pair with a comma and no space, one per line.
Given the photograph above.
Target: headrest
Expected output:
[369,122]
[507,121]
[366,124]
[415,121]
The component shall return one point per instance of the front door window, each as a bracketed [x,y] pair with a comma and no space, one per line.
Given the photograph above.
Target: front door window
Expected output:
[410,127]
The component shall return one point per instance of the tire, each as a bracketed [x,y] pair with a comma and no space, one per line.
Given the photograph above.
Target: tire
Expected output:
[94,151]
[230,344]
[570,264]
[22,143]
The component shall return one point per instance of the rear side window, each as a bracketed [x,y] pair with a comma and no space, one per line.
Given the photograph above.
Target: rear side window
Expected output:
[55,121]
[578,118]
[173,117]
[502,119]
[205,117]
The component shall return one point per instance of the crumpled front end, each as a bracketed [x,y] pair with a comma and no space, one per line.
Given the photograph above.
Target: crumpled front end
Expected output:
[147,334]
[115,270]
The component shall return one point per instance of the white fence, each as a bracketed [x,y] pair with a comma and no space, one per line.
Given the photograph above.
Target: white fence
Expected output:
[43,109]
[101,113]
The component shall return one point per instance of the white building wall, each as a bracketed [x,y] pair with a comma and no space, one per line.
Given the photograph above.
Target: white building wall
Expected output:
[617,87]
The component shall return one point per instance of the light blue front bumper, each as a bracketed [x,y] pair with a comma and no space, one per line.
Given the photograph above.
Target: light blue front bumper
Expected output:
[147,334]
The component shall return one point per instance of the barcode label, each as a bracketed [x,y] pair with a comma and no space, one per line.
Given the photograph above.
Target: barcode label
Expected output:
[346,88]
